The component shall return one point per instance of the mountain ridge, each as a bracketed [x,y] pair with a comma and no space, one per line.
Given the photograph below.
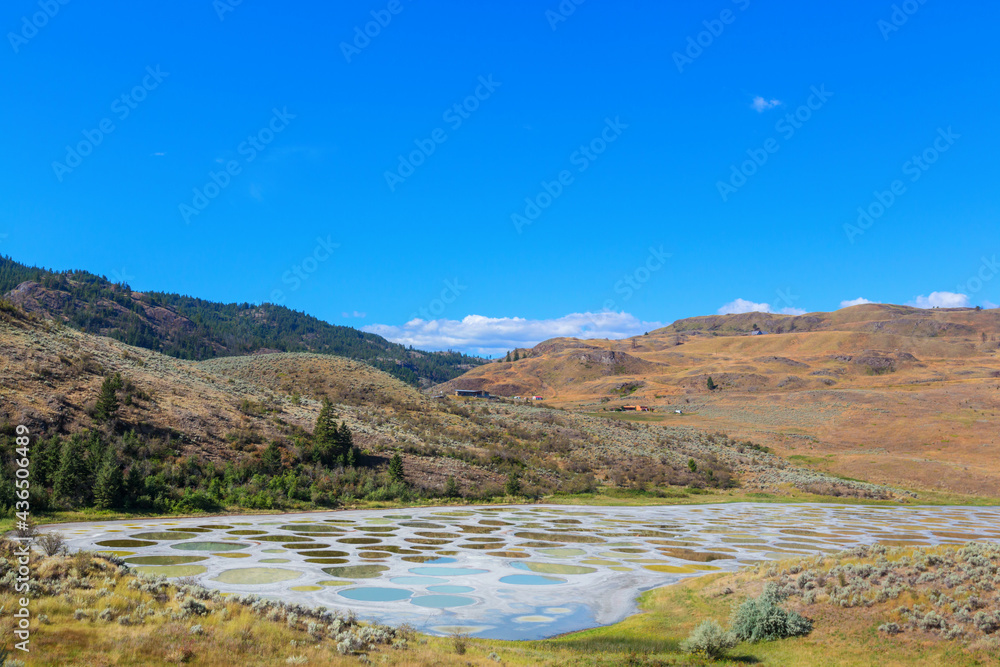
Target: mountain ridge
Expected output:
[197,329]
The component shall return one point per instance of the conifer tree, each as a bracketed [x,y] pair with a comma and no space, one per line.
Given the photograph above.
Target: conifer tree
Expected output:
[270,461]
[326,435]
[7,498]
[107,400]
[71,477]
[110,482]
[396,468]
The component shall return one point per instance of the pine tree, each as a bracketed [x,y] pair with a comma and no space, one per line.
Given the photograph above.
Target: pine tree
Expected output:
[107,400]
[134,485]
[513,485]
[507,358]
[270,460]
[7,498]
[451,488]
[326,435]
[71,477]
[711,384]
[110,482]
[396,468]
[517,355]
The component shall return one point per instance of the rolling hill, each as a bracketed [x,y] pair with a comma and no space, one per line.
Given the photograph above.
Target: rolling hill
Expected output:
[891,394]
[191,328]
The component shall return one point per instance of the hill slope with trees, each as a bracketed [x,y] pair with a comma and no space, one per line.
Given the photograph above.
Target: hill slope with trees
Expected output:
[196,329]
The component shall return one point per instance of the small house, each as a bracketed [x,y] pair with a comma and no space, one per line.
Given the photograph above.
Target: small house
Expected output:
[472,393]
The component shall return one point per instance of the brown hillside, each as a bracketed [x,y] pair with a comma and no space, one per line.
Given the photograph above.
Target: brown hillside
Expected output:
[891,394]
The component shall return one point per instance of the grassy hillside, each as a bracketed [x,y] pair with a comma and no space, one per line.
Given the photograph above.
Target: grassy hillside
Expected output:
[241,433]
[191,328]
[890,394]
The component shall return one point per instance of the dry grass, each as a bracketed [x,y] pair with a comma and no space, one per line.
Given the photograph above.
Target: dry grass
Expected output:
[930,424]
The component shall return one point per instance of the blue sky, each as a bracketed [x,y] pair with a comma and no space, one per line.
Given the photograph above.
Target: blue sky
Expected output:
[609,166]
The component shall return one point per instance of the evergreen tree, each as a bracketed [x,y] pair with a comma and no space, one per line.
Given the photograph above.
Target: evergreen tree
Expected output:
[71,477]
[326,436]
[711,384]
[107,400]
[513,485]
[134,484]
[110,482]
[507,358]
[517,355]
[451,488]
[345,439]
[7,498]
[270,460]
[396,468]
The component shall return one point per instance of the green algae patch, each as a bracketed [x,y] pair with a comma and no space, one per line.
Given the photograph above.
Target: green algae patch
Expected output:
[561,537]
[209,546]
[173,570]
[257,576]
[165,560]
[356,571]
[165,535]
[126,543]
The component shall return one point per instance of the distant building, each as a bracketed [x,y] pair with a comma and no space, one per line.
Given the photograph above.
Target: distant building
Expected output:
[637,408]
[757,332]
[472,393]
[536,398]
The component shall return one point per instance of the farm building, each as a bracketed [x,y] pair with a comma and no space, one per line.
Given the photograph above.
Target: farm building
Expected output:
[472,393]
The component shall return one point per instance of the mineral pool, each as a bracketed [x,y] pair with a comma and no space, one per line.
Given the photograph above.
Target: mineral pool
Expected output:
[505,572]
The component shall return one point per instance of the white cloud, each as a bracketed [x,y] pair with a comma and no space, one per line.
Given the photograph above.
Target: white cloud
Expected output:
[760,105]
[356,314]
[496,335]
[743,306]
[941,300]
[860,301]
[988,305]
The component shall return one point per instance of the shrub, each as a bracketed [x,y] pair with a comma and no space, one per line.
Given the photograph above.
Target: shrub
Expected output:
[52,544]
[762,619]
[460,642]
[709,640]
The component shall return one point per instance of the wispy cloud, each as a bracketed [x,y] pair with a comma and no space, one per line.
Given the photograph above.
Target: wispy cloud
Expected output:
[496,335]
[941,300]
[989,305]
[354,314]
[761,104]
[860,301]
[743,306]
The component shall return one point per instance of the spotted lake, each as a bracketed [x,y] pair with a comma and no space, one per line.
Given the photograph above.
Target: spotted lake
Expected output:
[508,572]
